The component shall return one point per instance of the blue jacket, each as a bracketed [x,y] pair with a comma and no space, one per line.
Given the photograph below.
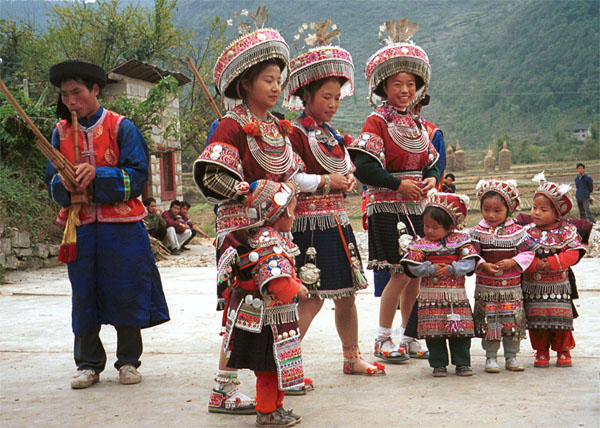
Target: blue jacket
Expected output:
[585,186]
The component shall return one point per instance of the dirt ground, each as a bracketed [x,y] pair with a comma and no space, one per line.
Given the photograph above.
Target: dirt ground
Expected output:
[180,359]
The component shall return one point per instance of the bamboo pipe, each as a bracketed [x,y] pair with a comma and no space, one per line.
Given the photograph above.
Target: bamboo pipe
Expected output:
[213,104]
[57,159]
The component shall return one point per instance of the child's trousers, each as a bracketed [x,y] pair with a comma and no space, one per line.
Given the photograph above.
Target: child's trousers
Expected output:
[510,345]
[559,340]
[459,351]
[268,395]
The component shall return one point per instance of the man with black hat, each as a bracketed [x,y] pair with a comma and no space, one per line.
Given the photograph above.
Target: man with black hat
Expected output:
[113,275]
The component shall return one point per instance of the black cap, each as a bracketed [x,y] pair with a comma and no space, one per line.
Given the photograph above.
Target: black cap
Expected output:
[425,100]
[74,68]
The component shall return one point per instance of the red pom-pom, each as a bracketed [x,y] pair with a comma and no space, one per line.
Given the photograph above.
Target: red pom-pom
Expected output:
[285,127]
[252,129]
[67,252]
[309,123]
[347,139]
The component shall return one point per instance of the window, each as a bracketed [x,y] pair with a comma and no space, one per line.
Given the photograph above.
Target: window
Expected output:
[167,176]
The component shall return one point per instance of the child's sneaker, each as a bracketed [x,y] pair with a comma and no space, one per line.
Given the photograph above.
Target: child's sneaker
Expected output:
[274,419]
[84,379]
[128,375]
[291,413]
[542,358]
[512,364]
[440,372]
[388,351]
[491,365]
[563,359]
[464,371]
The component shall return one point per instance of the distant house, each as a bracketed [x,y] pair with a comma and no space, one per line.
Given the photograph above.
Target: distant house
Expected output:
[580,130]
[134,79]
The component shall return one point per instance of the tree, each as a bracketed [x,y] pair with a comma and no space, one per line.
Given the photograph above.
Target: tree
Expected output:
[196,112]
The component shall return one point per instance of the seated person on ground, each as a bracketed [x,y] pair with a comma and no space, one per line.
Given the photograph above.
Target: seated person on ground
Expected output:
[178,232]
[155,224]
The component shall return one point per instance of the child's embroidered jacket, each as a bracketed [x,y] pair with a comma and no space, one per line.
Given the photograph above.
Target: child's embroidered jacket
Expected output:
[548,294]
[499,307]
[444,309]
[262,291]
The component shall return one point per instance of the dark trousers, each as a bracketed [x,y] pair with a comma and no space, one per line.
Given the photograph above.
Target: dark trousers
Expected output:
[459,351]
[411,324]
[584,210]
[90,354]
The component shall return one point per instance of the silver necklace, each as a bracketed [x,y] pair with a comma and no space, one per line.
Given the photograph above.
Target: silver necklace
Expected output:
[331,164]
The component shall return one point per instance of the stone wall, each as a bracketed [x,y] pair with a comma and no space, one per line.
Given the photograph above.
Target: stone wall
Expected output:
[17,251]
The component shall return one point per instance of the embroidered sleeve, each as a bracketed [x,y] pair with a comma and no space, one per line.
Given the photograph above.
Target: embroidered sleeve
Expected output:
[226,264]
[56,190]
[414,257]
[219,181]
[370,144]
[468,251]
[269,268]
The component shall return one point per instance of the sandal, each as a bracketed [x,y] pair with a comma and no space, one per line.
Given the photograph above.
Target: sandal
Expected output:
[352,356]
[379,369]
[301,390]
[398,356]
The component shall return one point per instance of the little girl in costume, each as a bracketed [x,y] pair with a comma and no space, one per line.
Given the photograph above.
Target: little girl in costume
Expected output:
[442,259]
[506,250]
[546,285]
[261,329]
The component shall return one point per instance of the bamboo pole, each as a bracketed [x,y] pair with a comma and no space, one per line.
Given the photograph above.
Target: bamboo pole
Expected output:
[57,159]
[77,197]
[213,104]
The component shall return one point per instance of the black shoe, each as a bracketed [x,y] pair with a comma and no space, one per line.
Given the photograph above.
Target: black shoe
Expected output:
[440,372]
[175,252]
[184,249]
[464,371]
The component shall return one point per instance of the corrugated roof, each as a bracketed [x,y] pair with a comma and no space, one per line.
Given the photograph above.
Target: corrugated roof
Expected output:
[147,72]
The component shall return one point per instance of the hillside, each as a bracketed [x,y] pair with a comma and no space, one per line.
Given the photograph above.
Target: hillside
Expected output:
[522,68]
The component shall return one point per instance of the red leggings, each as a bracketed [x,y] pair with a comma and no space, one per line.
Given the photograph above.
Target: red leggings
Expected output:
[268,395]
[559,340]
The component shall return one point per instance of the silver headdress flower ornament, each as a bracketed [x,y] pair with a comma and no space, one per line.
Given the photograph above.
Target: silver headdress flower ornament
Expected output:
[249,49]
[557,193]
[400,54]
[454,204]
[507,190]
[320,61]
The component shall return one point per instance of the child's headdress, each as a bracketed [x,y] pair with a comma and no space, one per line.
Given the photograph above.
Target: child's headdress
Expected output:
[456,205]
[506,189]
[249,49]
[400,54]
[267,200]
[557,193]
[321,61]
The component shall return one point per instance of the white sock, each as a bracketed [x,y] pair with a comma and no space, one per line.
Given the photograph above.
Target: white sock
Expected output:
[384,333]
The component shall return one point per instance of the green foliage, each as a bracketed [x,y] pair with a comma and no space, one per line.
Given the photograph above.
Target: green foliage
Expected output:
[17,141]
[591,144]
[148,113]
[196,114]
[24,203]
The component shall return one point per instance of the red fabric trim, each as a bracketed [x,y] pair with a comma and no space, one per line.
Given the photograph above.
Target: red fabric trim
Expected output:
[564,260]
[284,288]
